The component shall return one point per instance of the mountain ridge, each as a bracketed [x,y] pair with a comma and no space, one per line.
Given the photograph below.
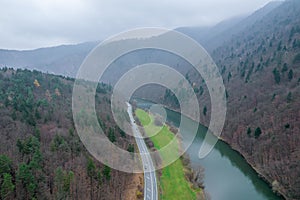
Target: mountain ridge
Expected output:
[66,59]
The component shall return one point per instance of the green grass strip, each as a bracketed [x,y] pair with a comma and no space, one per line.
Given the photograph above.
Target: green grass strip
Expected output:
[172,182]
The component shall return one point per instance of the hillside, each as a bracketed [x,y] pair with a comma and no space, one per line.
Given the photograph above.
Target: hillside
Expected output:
[213,37]
[258,56]
[64,60]
[260,68]
[41,155]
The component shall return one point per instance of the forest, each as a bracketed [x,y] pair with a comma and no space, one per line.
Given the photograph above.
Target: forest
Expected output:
[41,155]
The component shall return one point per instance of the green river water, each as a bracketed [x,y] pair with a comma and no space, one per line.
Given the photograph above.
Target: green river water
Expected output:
[227,175]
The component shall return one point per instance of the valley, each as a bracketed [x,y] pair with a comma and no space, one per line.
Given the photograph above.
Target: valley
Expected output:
[258,56]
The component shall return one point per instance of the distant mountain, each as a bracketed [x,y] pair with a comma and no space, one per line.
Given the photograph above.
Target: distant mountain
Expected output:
[199,34]
[63,60]
[66,59]
[204,35]
[258,57]
[213,37]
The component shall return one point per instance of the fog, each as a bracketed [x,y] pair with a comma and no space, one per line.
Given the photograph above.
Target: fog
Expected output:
[33,23]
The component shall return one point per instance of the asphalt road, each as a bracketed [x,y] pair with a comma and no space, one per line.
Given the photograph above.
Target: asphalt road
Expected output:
[150,185]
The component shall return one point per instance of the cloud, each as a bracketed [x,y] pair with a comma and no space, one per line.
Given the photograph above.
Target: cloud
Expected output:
[34,23]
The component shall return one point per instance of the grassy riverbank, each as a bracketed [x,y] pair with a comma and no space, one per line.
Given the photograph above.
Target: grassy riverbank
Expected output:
[172,182]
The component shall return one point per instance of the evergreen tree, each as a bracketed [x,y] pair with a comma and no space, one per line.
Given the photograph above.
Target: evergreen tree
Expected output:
[63,180]
[291,75]
[91,168]
[284,68]
[204,110]
[276,75]
[26,178]
[7,186]
[249,131]
[257,132]
[5,164]
[289,97]
[106,172]
[130,148]
[111,135]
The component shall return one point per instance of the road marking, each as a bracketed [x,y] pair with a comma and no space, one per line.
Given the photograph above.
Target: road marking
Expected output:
[146,160]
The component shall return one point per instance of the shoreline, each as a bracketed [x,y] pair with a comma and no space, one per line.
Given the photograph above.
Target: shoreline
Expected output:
[187,170]
[259,174]
[186,162]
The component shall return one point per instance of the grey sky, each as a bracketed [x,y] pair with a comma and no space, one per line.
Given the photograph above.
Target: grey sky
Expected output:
[27,24]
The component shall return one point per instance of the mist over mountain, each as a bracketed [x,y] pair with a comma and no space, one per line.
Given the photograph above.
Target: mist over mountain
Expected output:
[213,37]
[66,59]
[63,60]
[260,69]
[258,56]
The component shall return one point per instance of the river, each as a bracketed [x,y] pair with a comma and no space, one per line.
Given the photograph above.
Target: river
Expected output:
[227,175]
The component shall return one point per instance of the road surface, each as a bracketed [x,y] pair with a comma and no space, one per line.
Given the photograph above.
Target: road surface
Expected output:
[150,183]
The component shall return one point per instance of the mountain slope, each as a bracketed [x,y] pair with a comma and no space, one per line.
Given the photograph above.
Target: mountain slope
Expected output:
[63,60]
[41,155]
[213,37]
[260,68]
[259,59]
[66,59]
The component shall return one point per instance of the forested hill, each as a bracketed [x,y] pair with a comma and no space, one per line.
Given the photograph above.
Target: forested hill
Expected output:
[64,60]
[259,59]
[213,37]
[41,155]
[261,71]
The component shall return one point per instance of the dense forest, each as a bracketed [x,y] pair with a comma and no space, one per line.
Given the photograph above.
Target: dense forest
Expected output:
[41,155]
[260,69]
[258,57]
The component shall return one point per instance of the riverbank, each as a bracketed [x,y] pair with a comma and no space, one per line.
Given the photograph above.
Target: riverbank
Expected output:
[238,151]
[173,182]
[259,174]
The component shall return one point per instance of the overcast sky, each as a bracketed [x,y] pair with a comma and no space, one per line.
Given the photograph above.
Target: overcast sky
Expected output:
[28,24]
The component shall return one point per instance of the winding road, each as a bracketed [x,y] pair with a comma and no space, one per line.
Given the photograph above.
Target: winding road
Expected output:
[150,183]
